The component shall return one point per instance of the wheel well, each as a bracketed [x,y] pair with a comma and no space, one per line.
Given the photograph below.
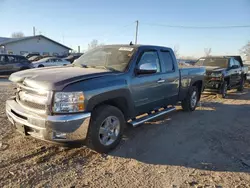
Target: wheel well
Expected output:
[119,102]
[245,76]
[41,65]
[228,81]
[198,84]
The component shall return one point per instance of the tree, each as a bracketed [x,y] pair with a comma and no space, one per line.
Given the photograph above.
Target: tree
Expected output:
[207,51]
[176,51]
[245,51]
[18,34]
[94,43]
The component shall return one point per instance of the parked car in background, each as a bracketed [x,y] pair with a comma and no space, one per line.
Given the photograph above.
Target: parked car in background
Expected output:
[72,58]
[112,85]
[223,73]
[28,55]
[35,58]
[50,61]
[13,63]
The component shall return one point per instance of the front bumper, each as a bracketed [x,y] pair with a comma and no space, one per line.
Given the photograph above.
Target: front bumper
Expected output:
[57,128]
[213,85]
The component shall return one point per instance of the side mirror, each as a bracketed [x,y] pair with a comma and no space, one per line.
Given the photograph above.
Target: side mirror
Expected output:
[235,67]
[147,68]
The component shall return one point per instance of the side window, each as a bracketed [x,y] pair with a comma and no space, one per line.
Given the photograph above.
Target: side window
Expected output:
[11,59]
[2,59]
[231,62]
[167,61]
[236,62]
[23,52]
[150,57]
[21,59]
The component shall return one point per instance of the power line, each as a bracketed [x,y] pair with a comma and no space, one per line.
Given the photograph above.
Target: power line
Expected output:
[197,27]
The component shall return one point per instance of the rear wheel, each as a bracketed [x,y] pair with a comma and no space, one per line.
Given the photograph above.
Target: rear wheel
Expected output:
[242,83]
[223,91]
[106,128]
[39,66]
[190,102]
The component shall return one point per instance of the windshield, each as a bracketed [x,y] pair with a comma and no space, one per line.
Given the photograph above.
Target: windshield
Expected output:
[213,62]
[115,58]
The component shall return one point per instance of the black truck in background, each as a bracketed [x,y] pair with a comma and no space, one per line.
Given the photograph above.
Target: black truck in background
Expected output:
[223,73]
[111,85]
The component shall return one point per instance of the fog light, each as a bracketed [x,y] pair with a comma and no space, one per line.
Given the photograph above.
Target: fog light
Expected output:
[58,135]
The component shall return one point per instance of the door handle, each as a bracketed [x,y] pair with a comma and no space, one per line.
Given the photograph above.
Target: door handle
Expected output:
[160,81]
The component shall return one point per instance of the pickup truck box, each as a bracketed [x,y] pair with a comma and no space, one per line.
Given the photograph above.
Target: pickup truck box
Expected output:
[110,87]
[224,73]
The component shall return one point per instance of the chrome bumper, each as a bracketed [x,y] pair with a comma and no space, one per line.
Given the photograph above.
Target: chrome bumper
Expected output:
[57,128]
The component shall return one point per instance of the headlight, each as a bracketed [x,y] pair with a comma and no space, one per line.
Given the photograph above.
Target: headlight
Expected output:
[65,102]
[216,74]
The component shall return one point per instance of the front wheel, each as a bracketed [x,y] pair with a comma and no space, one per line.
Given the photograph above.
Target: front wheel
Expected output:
[190,102]
[106,128]
[40,66]
[223,91]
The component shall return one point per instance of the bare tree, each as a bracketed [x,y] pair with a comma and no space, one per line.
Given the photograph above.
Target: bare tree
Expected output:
[176,51]
[245,51]
[207,51]
[18,34]
[94,43]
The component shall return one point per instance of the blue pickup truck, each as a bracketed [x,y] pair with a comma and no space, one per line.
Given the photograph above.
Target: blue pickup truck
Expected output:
[103,91]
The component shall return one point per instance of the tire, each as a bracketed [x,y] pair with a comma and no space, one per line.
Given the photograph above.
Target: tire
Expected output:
[223,90]
[242,83]
[97,133]
[190,102]
[39,66]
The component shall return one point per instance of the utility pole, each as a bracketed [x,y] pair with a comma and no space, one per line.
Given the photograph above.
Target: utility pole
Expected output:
[79,49]
[34,31]
[136,31]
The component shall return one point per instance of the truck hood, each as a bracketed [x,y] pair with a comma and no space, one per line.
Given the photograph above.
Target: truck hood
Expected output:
[210,69]
[56,78]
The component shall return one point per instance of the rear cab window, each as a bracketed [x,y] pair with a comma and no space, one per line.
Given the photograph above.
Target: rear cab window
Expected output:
[167,61]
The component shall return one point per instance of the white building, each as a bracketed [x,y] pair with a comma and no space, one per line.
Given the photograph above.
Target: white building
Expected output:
[38,43]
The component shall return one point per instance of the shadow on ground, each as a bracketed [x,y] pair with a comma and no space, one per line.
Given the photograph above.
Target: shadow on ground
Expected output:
[215,137]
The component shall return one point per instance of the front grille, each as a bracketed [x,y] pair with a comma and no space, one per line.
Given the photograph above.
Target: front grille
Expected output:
[31,99]
[33,105]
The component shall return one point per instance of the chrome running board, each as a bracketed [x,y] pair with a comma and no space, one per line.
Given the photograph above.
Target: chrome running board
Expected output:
[149,117]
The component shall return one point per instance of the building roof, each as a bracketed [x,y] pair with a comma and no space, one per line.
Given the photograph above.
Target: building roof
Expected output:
[4,41]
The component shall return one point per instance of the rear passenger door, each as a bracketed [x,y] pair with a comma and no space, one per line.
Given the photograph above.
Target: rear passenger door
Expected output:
[170,77]
[12,63]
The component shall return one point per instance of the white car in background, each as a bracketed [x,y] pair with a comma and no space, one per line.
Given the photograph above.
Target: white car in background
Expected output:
[50,61]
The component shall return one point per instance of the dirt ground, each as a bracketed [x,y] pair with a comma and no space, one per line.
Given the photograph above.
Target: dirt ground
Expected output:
[206,148]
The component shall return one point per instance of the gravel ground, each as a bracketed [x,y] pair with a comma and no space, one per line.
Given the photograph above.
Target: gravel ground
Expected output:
[206,148]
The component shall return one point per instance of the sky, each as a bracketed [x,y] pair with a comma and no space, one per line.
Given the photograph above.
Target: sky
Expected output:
[78,22]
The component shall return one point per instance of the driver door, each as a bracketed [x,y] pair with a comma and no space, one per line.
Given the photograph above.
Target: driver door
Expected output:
[148,89]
